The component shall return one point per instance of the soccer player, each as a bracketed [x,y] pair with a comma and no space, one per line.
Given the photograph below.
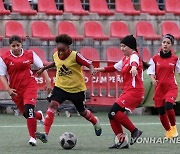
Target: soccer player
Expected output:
[131,68]
[15,65]
[162,72]
[69,85]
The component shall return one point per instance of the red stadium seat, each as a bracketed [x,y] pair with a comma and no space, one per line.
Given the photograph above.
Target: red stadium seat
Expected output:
[23,7]
[4,50]
[48,7]
[91,54]
[125,7]
[14,28]
[67,27]
[41,30]
[41,53]
[151,7]
[114,54]
[100,7]
[93,29]
[74,7]
[172,6]
[146,54]
[169,27]
[3,11]
[118,29]
[145,29]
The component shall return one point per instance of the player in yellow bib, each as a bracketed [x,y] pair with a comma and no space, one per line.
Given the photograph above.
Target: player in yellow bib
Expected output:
[69,85]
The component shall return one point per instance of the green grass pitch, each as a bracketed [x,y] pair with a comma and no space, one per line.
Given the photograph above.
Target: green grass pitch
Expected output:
[14,137]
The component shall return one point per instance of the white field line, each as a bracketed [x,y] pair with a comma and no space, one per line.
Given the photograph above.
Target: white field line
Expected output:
[78,125]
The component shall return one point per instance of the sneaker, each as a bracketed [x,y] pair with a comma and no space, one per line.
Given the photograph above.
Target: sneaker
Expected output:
[122,145]
[32,141]
[97,128]
[42,120]
[174,131]
[135,135]
[41,136]
[168,134]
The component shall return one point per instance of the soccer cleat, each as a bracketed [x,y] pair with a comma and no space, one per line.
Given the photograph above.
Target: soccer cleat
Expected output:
[32,141]
[168,134]
[42,120]
[120,145]
[135,135]
[42,136]
[174,131]
[97,128]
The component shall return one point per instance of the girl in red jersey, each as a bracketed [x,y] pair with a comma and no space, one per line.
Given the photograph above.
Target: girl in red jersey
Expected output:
[15,65]
[162,72]
[69,85]
[131,68]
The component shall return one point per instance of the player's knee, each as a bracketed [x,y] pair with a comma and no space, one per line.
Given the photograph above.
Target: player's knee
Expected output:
[111,115]
[168,106]
[29,111]
[161,110]
[114,109]
[54,105]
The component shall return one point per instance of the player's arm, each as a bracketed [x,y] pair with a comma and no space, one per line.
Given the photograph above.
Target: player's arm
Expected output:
[3,72]
[151,72]
[112,68]
[134,63]
[12,92]
[178,66]
[42,69]
[38,62]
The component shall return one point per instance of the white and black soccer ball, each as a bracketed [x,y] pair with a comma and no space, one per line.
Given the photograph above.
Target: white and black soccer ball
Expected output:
[67,140]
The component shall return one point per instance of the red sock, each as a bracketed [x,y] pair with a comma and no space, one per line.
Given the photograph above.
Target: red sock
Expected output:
[165,121]
[31,125]
[48,120]
[172,117]
[38,115]
[116,127]
[123,119]
[90,117]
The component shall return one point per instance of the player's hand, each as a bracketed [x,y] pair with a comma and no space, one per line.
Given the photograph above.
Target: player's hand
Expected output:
[38,73]
[96,70]
[91,70]
[154,82]
[133,71]
[12,92]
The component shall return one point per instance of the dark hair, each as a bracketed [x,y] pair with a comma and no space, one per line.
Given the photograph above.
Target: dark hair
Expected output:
[15,38]
[145,65]
[63,38]
[169,36]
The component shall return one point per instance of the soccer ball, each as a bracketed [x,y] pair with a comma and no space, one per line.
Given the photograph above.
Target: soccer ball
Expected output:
[67,140]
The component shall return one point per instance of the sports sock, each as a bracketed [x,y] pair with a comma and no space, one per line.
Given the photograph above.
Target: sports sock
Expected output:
[116,127]
[90,117]
[49,120]
[123,119]
[172,117]
[165,121]
[38,115]
[31,125]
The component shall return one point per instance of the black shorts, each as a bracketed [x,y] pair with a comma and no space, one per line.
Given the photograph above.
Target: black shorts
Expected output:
[77,99]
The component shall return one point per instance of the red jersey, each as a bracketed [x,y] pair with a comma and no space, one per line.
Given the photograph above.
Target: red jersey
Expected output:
[18,69]
[125,65]
[164,71]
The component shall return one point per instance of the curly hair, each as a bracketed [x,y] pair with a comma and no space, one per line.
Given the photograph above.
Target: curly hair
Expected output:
[63,38]
[15,38]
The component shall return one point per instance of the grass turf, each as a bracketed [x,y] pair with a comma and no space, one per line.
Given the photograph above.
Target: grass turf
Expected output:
[14,137]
